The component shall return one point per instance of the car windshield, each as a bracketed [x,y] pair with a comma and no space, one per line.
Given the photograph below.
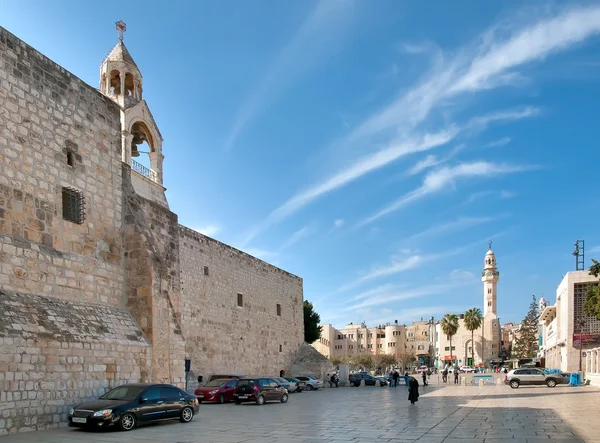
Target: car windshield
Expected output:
[122,393]
[216,383]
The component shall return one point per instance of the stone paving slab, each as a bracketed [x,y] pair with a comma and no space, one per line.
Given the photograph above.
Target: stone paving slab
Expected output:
[444,414]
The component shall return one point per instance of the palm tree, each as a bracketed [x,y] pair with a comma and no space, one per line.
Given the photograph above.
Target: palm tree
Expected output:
[450,327]
[473,321]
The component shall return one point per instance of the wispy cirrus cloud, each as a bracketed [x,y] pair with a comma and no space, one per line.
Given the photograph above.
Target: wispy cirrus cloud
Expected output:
[297,236]
[367,164]
[408,260]
[426,163]
[497,62]
[498,143]
[440,179]
[321,33]
[501,194]
[454,225]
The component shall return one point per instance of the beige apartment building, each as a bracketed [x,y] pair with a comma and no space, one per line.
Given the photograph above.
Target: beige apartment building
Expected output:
[357,339]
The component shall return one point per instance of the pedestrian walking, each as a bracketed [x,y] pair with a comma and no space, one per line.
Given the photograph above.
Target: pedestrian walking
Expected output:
[445,375]
[413,390]
[424,378]
[396,377]
[455,376]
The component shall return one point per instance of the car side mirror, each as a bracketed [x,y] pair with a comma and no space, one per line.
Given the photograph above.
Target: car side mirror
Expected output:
[200,379]
[143,400]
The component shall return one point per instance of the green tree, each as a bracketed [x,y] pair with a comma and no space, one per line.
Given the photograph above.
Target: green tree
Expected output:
[312,330]
[527,342]
[473,321]
[363,361]
[404,359]
[383,360]
[450,327]
[592,296]
[340,360]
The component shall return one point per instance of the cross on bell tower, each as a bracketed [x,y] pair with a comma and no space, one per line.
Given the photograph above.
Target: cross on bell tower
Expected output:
[121,27]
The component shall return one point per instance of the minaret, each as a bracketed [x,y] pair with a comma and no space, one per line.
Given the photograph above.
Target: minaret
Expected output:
[490,277]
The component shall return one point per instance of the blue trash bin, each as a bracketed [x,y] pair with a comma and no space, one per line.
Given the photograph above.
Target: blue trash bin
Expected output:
[575,379]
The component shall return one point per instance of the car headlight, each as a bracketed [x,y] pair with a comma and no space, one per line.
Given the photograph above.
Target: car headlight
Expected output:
[103,413]
[213,392]
[71,411]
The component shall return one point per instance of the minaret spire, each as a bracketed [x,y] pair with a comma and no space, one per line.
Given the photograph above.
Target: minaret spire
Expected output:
[121,27]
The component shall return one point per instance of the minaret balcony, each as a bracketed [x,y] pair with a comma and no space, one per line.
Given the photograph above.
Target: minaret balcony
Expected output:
[490,273]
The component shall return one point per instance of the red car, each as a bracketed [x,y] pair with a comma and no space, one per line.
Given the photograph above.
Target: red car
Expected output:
[220,390]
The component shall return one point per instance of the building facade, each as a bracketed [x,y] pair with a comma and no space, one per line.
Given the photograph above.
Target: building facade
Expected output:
[565,326]
[358,339]
[99,283]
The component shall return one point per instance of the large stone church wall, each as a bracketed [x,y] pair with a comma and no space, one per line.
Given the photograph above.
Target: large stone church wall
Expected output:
[55,354]
[152,280]
[222,337]
[45,111]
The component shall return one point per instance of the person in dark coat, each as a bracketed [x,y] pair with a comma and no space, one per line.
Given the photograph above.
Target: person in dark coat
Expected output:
[396,377]
[413,390]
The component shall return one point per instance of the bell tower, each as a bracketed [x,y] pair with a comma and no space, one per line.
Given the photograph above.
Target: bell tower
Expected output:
[121,81]
[490,277]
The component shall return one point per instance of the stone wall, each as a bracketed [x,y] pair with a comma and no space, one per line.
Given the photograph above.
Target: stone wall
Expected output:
[152,280]
[55,354]
[222,337]
[48,118]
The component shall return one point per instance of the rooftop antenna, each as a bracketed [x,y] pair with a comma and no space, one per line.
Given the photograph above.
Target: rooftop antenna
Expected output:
[579,254]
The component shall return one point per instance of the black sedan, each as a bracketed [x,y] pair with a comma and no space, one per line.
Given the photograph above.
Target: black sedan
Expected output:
[129,405]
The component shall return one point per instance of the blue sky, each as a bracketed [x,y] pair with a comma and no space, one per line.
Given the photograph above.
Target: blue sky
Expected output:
[372,148]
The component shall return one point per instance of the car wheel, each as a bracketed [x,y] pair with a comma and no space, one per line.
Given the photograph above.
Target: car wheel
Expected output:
[514,384]
[260,400]
[127,422]
[221,399]
[284,398]
[186,415]
[238,402]
[310,388]
[551,382]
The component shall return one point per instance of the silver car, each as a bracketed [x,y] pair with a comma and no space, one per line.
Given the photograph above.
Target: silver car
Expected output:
[532,376]
[312,383]
[287,384]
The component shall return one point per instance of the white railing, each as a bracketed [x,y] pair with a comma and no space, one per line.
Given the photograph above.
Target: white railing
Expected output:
[142,170]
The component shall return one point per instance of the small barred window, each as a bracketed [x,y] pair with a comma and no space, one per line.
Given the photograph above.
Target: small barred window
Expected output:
[73,205]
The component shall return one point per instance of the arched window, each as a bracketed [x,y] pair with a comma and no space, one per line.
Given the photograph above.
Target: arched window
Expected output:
[129,85]
[115,82]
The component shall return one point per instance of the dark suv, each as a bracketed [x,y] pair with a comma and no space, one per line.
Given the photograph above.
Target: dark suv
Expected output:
[369,380]
[259,390]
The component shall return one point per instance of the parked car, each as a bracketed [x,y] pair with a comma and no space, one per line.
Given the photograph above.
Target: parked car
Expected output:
[312,383]
[532,376]
[259,390]
[129,405]
[300,383]
[290,386]
[467,369]
[382,380]
[227,376]
[220,390]
[357,378]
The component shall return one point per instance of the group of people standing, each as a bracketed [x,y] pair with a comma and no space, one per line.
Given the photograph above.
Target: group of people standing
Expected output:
[445,376]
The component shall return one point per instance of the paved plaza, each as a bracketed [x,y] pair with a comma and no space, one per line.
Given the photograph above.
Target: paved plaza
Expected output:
[373,414]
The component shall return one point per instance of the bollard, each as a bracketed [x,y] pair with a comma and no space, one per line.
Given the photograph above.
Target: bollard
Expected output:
[464,381]
[481,382]
[499,382]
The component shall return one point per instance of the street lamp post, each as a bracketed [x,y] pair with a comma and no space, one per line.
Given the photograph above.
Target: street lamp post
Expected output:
[580,325]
